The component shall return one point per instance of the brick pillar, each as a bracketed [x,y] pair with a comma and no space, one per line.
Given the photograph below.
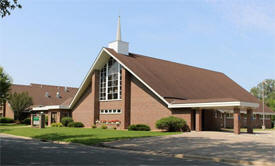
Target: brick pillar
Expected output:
[49,118]
[95,96]
[58,116]
[125,96]
[237,120]
[249,120]
[198,120]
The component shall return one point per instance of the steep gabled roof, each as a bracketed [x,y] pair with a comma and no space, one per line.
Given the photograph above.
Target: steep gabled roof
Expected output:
[174,82]
[38,93]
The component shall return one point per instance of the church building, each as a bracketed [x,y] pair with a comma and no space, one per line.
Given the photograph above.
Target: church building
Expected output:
[130,88]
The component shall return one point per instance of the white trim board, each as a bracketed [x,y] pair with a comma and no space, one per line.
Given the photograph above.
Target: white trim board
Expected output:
[215,104]
[50,107]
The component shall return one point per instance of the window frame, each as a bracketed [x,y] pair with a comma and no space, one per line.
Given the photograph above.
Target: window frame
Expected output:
[110,111]
[119,82]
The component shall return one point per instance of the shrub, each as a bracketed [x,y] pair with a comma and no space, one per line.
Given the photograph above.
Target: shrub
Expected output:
[171,123]
[104,127]
[94,126]
[56,125]
[6,120]
[186,128]
[66,120]
[76,124]
[114,127]
[27,121]
[139,127]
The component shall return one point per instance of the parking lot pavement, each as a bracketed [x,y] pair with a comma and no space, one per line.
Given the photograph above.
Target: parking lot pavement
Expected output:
[258,147]
[18,151]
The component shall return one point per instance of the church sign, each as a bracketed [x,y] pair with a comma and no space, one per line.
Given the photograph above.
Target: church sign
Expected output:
[36,120]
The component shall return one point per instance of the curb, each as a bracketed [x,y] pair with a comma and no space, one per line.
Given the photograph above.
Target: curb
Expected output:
[179,155]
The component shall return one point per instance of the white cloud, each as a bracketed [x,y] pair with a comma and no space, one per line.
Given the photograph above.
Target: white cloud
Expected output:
[248,15]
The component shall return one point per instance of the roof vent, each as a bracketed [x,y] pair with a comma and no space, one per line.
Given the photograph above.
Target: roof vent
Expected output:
[47,94]
[58,95]
[66,89]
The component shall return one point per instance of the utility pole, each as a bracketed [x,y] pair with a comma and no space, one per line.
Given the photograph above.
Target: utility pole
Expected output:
[263,127]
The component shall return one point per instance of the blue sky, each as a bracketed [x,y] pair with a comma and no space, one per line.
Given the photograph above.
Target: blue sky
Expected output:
[56,41]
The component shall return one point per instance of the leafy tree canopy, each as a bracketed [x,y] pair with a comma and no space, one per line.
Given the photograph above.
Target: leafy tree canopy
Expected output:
[19,102]
[7,5]
[268,87]
[5,84]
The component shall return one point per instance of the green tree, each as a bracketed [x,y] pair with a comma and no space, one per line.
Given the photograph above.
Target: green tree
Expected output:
[5,84]
[7,5]
[19,102]
[269,92]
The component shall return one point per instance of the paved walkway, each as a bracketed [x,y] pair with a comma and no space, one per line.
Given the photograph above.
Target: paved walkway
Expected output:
[259,147]
[19,151]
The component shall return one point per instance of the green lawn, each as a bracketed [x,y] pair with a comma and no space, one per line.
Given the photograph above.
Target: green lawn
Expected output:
[86,136]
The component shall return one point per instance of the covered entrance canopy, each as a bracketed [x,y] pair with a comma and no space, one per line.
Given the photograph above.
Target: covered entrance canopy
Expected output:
[201,105]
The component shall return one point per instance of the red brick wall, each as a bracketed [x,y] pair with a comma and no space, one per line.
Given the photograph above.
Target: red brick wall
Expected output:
[83,111]
[146,108]
[184,114]
[116,104]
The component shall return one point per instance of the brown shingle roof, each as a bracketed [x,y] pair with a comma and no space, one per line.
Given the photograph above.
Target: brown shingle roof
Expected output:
[38,93]
[179,81]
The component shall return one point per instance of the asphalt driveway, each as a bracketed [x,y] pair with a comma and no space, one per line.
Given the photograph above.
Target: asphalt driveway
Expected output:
[18,151]
[259,147]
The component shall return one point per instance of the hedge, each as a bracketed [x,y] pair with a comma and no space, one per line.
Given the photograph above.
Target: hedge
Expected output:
[139,127]
[56,125]
[6,120]
[75,124]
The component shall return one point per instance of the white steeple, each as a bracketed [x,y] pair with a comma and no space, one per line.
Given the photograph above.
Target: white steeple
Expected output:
[118,45]
[118,32]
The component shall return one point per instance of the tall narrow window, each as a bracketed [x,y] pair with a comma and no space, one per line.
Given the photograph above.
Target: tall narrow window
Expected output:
[102,86]
[110,81]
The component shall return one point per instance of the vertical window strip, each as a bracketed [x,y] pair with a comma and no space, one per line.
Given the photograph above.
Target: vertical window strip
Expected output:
[110,75]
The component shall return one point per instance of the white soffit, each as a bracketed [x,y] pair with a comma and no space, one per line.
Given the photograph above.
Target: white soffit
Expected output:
[215,104]
[50,107]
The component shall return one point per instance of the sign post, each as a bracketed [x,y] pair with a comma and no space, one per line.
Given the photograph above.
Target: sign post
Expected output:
[42,120]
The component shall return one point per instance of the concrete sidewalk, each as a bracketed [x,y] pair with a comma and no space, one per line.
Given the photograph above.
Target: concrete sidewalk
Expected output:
[258,148]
